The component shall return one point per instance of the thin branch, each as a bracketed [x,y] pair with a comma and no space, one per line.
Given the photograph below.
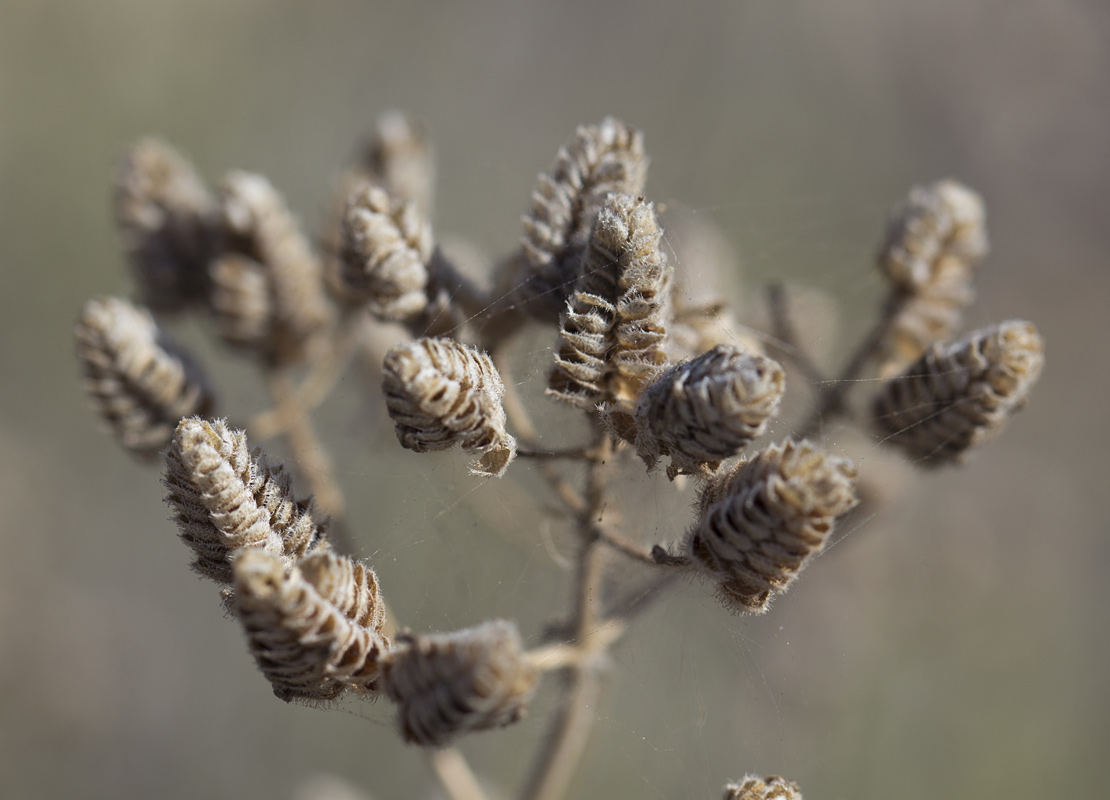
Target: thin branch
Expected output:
[454,774]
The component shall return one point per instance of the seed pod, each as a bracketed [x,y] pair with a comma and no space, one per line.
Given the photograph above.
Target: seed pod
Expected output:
[349,585]
[440,393]
[703,411]
[241,302]
[304,645]
[453,683]
[140,383]
[400,159]
[959,395]
[752,787]
[759,524]
[225,499]
[166,219]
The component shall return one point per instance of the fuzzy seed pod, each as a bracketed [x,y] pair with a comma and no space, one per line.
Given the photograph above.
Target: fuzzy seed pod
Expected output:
[759,524]
[140,383]
[703,411]
[752,787]
[306,646]
[959,395]
[400,159]
[166,219]
[453,683]
[598,160]
[240,300]
[225,499]
[440,393]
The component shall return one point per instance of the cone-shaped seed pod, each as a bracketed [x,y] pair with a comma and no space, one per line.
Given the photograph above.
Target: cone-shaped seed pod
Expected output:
[598,160]
[753,787]
[400,159]
[453,683]
[349,585]
[225,498]
[703,411]
[303,643]
[166,219]
[959,395]
[139,382]
[440,393]
[758,525]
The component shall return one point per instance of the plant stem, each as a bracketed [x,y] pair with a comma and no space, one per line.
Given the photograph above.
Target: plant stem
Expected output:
[454,775]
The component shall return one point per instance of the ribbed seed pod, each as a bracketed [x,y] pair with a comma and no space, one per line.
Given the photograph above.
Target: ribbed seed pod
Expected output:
[753,787]
[959,395]
[303,643]
[440,393]
[759,524]
[240,299]
[454,683]
[349,585]
[598,160]
[401,160]
[140,383]
[225,499]
[258,227]
[166,219]
[703,411]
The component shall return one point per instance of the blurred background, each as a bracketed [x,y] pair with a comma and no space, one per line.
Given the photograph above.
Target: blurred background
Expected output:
[953,644]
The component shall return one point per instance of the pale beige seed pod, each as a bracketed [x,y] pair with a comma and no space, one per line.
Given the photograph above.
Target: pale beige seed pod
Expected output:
[240,299]
[753,787]
[305,645]
[448,684]
[140,383]
[401,160]
[703,411]
[349,585]
[959,395]
[166,220]
[440,393]
[225,499]
[758,525]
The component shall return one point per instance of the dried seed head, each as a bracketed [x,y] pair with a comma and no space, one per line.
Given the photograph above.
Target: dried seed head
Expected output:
[453,683]
[140,383]
[349,585]
[240,300]
[959,395]
[166,219]
[703,411]
[752,787]
[400,159]
[225,499]
[759,524]
[306,646]
[440,393]
[598,160]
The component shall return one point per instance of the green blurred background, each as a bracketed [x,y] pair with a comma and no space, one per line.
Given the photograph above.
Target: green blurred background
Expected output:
[955,645]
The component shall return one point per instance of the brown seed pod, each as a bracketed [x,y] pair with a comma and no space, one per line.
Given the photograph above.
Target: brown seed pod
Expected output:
[759,524]
[400,159]
[703,411]
[959,395]
[167,221]
[453,683]
[753,787]
[306,646]
[140,383]
[440,393]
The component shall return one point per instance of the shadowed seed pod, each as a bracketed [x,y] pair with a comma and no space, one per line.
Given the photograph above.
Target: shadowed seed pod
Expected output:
[703,411]
[225,499]
[166,219]
[440,393]
[752,787]
[759,524]
[453,683]
[959,395]
[306,646]
[140,383]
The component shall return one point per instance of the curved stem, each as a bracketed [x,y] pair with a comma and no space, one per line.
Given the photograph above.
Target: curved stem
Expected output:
[454,775]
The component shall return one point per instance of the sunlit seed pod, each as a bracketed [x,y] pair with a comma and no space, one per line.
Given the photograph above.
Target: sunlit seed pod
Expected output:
[166,220]
[703,411]
[753,787]
[349,585]
[439,393]
[759,524]
[959,395]
[449,684]
[140,383]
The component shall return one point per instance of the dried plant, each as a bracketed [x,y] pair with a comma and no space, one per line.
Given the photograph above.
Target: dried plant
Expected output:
[654,375]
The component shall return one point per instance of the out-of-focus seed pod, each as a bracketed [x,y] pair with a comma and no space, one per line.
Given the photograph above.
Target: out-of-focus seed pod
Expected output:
[759,524]
[166,219]
[139,382]
[440,393]
[225,498]
[448,684]
[753,787]
[241,301]
[959,395]
[303,643]
[703,411]
[400,159]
